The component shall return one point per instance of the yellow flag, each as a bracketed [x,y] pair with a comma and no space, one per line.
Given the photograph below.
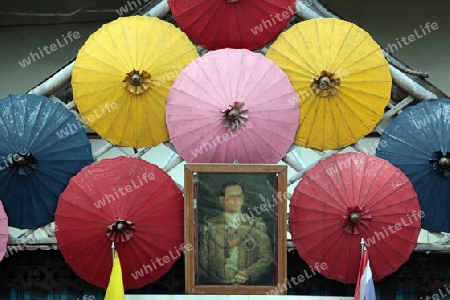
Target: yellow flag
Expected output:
[115,287]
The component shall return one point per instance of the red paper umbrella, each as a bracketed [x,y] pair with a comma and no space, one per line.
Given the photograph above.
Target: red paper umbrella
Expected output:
[221,24]
[351,196]
[127,201]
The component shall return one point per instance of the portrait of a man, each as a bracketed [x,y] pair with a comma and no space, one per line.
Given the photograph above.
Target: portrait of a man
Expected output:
[234,246]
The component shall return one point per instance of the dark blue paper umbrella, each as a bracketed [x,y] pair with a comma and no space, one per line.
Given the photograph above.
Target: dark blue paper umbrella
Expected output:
[42,145]
[418,143]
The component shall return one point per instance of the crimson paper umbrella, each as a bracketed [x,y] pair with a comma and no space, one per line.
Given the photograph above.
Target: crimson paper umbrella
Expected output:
[221,24]
[3,232]
[417,142]
[351,196]
[127,201]
[232,104]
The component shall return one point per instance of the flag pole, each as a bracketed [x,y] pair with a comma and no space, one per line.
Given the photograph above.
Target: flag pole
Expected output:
[113,249]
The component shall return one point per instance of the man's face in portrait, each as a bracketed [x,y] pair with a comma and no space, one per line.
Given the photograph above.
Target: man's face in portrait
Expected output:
[233,199]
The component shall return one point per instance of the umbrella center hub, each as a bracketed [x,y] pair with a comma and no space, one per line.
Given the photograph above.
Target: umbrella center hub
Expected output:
[356,220]
[326,84]
[22,164]
[120,230]
[235,116]
[444,163]
[20,160]
[137,82]
[355,217]
[232,114]
[136,79]
[441,163]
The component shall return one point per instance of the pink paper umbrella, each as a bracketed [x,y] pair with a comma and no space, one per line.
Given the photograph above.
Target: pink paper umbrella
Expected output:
[232,104]
[3,231]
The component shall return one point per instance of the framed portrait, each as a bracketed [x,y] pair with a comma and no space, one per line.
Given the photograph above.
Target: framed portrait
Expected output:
[235,228]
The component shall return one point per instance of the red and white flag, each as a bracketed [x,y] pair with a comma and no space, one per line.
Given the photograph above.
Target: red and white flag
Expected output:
[365,289]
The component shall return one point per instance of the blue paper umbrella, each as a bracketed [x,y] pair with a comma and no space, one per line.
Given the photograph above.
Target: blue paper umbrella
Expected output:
[42,145]
[418,143]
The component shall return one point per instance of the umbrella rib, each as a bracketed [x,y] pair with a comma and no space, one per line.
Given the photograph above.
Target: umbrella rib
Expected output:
[426,198]
[433,129]
[38,191]
[55,141]
[315,101]
[196,129]
[335,122]
[350,53]
[361,103]
[125,102]
[319,45]
[386,196]
[101,60]
[308,50]
[445,122]
[412,136]
[348,259]
[380,66]
[367,177]
[323,202]
[278,98]
[27,133]
[393,250]
[336,188]
[397,203]
[382,223]
[43,120]
[209,103]
[253,13]
[262,91]
[328,216]
[355,116]
[306,236]
[382,61]
[378,187]
[216,75]
[13,126]
[249,88]
[6,184]
[341,45]
[76,155]
[6,133]
[163,53]
[309,68]
[342,178]
[213,13]
[256,149]
[363,91]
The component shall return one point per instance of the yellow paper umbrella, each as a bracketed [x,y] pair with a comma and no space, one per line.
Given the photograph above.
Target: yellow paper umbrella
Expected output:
[341,77]
[122,76]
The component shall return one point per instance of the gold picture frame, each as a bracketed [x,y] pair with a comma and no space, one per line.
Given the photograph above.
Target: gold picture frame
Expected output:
[253,248]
